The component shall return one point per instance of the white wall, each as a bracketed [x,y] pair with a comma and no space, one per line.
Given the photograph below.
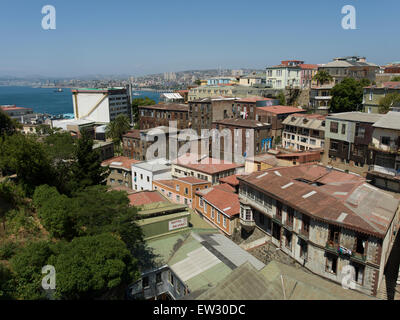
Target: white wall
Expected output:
[86,101]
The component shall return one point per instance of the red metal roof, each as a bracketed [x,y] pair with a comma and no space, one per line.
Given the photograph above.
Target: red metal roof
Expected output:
[226,201]
[231,180]
[329,195]
[145,197]
[206,164]
[280,109]
[120,161]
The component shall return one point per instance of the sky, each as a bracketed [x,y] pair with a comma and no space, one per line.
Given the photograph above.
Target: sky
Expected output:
[143,37]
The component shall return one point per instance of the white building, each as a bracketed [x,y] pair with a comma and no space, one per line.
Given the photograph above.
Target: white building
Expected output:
[144,173]
[284,75]
[101,105]
[304,132]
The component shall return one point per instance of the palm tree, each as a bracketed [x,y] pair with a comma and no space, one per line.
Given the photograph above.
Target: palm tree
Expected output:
[117,128]
[323,77]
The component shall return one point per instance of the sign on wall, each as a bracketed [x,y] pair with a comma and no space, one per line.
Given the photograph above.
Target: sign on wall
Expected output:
[178,223]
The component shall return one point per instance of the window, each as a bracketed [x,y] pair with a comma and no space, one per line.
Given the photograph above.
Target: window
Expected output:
[306,224]
[145,282]
[224,221]
[303,249]
[212,213]
[186,191]
[178,198]
[169,194]
[218,217]
[343,128]
[141,176]
[248,214]
[331,263]
[148,179]
[334,146]
[385,141]
[360,131]
[171,278]
[158,278]
[288,239]
[358,273]
[262,218]
[334,127]
[290,216]
[205,207]
[178,187]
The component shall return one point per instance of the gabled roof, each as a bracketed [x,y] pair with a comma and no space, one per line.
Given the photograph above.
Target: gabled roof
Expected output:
[224,200]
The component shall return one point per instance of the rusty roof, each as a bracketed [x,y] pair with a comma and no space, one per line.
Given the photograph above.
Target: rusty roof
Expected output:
[167,106]
[205,164]
[120,162]
[225,201]
[329,195]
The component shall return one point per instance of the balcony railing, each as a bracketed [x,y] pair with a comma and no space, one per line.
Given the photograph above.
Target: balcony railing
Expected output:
[388,171]
[247,223]
[332,246]
[392,148]
[358,256]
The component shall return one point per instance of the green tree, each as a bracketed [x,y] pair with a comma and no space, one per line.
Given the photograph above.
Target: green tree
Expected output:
[347,95]
[27,266]
[197,82]
[8,126]
[26,157]
[92,267]
[11,197]
[323,77]
[140,102]
[59,146]
[396,78]
[55,211]
[282,99]
[86,169]
[390,100]
[117,128]
[6,283]
[98,210]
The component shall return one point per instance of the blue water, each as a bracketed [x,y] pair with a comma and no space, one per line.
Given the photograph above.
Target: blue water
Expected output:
[45,100]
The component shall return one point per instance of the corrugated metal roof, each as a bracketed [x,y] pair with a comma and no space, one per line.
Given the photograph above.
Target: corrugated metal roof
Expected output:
[391,120]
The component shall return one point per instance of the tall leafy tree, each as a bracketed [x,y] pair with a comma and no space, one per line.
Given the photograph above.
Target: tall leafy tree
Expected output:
[86,167]
[27,266]
[6,283]
[93,267]
[347,95]
[26,157]
[323,77]
[8,126]
[390,100]
[115,129]
[282,99]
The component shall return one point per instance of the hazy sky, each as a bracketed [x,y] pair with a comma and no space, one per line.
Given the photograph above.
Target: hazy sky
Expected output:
[141,37]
